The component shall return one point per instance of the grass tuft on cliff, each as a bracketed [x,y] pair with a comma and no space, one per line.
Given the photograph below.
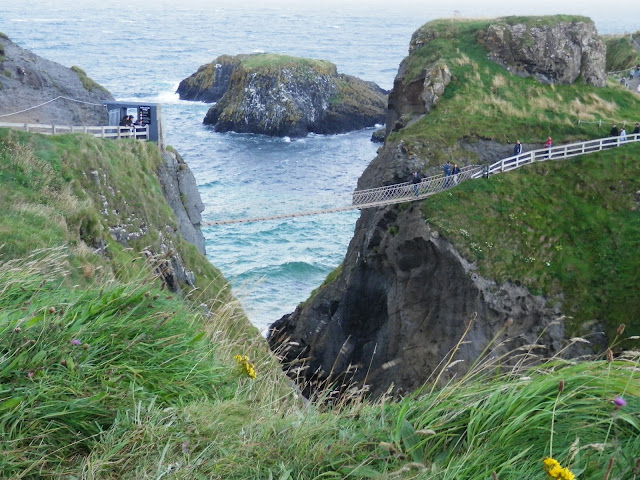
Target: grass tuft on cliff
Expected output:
[622,52]
[275,61]
[88,84]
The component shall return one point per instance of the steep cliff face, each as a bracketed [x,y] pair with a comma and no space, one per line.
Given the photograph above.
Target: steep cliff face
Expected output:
[402,302]
[405,296]
[27,80]
[284,96]
[210,82]
[553,50]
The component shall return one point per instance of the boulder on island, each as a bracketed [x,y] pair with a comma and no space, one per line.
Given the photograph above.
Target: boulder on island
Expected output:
[280,95]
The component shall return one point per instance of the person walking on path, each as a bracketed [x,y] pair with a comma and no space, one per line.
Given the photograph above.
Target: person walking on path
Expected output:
[416,179]
[613,133]
[517,149]
[623,135]
[548,144]
[455,171]
[637,129]
[447,173]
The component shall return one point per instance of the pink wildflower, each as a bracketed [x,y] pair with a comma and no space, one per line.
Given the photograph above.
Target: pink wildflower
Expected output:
[619,402]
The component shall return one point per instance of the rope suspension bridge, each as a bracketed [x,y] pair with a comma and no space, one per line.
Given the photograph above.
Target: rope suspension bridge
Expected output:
[409,192]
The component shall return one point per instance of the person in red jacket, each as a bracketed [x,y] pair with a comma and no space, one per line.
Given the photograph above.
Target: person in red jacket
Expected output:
[548,144]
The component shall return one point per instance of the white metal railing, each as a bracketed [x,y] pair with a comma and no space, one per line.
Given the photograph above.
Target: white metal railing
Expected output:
[554,153]
[400,192]
[139,132]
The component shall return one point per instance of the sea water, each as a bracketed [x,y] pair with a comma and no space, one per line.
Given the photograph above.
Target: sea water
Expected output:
[140,50]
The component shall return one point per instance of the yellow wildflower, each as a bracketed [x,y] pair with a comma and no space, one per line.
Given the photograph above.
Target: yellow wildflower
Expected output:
[557,472]
[248,367]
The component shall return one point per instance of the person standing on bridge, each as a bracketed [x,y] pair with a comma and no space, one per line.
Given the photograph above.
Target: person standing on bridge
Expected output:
[447,174]
[614,132]
[517,149]
[548,144]
[623,135]
[416,179]
[455,171]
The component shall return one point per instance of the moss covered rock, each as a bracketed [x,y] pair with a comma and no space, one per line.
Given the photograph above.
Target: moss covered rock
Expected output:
[279,95]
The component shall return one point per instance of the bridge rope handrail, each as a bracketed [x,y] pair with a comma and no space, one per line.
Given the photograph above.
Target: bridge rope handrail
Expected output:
[405,192]
[50,101]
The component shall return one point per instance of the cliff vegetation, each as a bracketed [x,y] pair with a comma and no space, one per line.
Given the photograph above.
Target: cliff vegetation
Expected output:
[623,52]
[485,101]
[539,258]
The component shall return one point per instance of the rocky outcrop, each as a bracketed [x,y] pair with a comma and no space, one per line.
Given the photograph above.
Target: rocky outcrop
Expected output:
[181,191]
[210,82]
[279,95]
[414,97]
[551,49]
[27,80]
[404,298]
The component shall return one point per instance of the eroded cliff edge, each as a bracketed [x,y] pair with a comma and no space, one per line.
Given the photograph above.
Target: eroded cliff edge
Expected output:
[405,295]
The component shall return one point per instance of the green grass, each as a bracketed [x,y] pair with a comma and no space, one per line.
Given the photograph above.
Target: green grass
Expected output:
[621,54]
[578,247]
[71,189]
[272,61]
[89,84]
[484,101]
[124,381]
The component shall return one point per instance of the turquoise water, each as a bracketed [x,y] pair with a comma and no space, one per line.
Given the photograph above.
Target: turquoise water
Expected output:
[141,50]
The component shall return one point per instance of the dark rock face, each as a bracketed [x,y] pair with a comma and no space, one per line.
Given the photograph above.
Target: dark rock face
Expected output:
[557,53]
[181,191]
[290,97]
[403,301]
[210,82]
[27,80]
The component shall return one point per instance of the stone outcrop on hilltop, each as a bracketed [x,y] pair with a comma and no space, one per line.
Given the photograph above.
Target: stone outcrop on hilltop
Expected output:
[279,95]
[27,79]
[404,296]
[559,52]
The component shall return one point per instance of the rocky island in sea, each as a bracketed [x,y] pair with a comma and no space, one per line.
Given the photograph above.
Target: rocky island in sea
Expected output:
[280,95]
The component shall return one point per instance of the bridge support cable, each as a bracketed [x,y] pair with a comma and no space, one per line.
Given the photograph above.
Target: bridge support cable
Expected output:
[405,192]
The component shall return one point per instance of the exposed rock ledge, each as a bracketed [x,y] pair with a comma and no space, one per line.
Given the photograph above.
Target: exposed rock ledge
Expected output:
[400,305]
[280,95]
[556,52]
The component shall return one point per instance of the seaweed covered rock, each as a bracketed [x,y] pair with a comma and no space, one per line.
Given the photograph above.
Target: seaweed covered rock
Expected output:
[280,95]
